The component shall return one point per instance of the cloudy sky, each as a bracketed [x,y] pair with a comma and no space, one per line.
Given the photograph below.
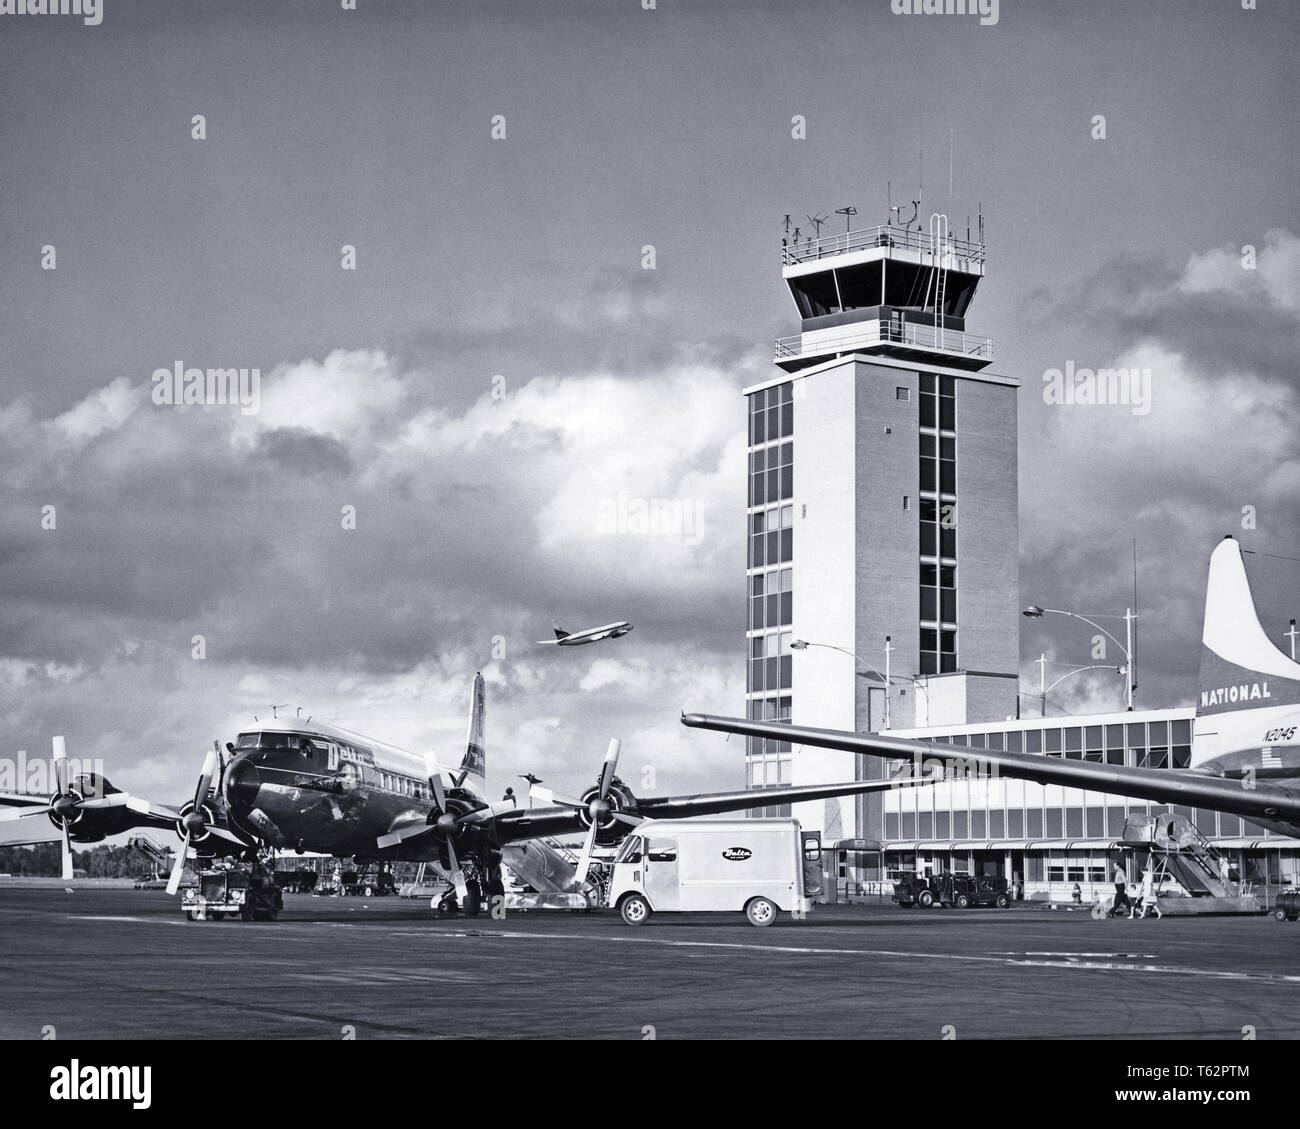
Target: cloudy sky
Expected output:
[500,377]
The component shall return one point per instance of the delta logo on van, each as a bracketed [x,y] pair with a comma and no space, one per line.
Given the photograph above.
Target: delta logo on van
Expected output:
[736,854]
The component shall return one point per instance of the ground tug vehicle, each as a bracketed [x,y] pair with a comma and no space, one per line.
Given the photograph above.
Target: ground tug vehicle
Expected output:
[247,892]
[956,890]
[750,866]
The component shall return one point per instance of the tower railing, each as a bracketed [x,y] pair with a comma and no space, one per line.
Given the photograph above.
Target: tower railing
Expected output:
[966,255]
[885,333]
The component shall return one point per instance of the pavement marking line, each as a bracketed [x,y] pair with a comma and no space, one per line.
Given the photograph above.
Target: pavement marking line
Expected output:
[1048,953]
[134,920]
[1268,977]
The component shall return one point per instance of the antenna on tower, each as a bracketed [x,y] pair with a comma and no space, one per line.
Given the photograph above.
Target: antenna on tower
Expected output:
[950,168]
[981,223]
[787,223]
[920,184]
[846,211]
[916,211]
[817,222]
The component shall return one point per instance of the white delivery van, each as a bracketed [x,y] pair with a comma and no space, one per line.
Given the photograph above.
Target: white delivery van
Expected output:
[750,866]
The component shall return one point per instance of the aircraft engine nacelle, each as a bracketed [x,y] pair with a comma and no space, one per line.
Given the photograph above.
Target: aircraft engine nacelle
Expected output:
[618,799]
[86,825]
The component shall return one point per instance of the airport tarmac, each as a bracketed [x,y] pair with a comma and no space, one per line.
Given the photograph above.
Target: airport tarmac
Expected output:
[121,964]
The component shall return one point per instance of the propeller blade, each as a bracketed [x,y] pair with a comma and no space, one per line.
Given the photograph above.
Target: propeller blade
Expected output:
[491,811]
[611,763]
[630,820]
[61,764]
[410,831]
[228,836]
[584,859]
[144,807]
[116,800]
[439,791]
[67,854]
[547,796]
[22,813]
[457,875]
[205,779]
[174,882]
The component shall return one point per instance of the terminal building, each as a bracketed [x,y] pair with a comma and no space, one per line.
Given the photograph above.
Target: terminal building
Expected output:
[882,576]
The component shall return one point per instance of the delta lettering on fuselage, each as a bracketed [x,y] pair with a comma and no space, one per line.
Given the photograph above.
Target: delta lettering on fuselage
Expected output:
[1246,692]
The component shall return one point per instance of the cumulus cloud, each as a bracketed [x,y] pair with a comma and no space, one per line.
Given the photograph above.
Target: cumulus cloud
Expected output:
[206,530]
[1215,455]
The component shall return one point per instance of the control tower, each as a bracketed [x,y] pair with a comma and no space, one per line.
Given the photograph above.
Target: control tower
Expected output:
[882,512]
[886,291]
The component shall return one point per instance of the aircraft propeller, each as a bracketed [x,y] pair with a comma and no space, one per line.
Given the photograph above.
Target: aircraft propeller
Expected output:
[598,808]
[66,805]
[194,825]
[445,823]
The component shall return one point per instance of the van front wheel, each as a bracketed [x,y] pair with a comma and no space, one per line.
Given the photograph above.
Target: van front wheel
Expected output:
[761,911]
[635,910]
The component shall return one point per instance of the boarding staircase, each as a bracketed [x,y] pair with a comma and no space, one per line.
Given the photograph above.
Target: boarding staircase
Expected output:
[1181,853]
[161,857]
[544,864]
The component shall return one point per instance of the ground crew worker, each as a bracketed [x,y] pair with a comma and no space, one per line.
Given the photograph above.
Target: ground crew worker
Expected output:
[1121,890]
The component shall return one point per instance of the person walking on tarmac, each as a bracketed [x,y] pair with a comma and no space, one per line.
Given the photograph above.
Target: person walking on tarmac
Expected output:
[1121,891]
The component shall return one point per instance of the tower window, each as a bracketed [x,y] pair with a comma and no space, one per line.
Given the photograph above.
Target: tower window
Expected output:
[903,395]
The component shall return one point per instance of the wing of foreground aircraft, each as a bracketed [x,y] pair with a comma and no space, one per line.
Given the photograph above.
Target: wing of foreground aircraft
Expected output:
[526,823]
[1263,801]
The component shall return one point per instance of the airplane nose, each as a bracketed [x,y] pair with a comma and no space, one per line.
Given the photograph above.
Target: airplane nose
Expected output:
[243,782]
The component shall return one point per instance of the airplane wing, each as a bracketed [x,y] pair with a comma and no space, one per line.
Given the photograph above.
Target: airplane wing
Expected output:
[1253,799]
[25,832]
[524,823]
[22,800]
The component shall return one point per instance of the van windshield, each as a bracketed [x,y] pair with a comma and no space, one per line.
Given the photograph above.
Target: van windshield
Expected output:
[630,851]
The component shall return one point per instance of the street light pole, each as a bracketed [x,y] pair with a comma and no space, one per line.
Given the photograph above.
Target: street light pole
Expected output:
[888,652]
[804,644]
[1129,617]
[1292,636]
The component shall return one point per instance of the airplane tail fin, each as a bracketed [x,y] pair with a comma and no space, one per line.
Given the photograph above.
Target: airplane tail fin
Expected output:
[560,633]
[473,767]
[1241,667]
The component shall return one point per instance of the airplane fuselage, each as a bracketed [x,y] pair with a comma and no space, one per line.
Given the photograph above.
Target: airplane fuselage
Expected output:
[314,787]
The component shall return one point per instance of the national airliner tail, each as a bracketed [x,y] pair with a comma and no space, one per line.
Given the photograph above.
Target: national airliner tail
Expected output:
[1241,667]
[473,767]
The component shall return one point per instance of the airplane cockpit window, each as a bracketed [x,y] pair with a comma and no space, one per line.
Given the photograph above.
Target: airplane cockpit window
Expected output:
[247,741]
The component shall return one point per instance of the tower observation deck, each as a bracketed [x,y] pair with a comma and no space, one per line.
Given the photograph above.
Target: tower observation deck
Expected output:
[889,290]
